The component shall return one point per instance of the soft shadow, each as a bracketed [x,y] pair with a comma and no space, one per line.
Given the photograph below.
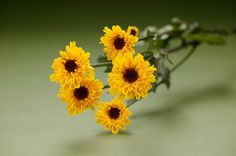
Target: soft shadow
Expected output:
[171,106]
[168,113]
[91,145]
[109,134]
[81,147]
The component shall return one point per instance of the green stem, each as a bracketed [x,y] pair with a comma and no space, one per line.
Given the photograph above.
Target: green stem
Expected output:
[145,38]
[163,31]
[179,47]
[185,58]
[132,102]
[106,86]
[101,64]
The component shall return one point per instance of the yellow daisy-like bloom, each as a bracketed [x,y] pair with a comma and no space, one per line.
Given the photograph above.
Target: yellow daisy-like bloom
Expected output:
[72,65]
[133,30]
[83,97]
[117,41]
[113,115]
[131,76]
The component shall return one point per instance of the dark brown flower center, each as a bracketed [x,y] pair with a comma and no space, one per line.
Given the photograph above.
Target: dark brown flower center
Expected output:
[119,43]
[130,75]
[114,113]
[70,65]
[81,93]
[133,32]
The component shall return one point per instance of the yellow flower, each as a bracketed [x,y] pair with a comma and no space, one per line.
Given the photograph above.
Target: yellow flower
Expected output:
[133,30]
[131,76]
[117,41]
[113,115]
[71,66]
[83,97]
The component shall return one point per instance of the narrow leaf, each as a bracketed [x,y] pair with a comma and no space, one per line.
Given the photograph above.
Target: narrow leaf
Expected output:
[207,38]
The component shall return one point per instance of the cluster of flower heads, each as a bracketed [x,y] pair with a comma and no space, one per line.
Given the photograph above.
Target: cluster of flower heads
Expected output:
[131,78]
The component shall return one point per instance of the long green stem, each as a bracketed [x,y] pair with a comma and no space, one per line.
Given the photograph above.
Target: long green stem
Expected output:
[145,38]
[132,102]
[172,70]
[185,58]
[101,64]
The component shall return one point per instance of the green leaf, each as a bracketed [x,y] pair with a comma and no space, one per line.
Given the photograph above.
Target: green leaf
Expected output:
[153,61]
[108,69]
[207,38]
[151,30]
[166,29]
[156,53]
[153,44]
[102,58]
[164,72]
[156,44]
[175,21]
[193,27]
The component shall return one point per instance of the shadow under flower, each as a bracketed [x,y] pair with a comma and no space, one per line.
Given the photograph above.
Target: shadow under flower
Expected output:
[168,114]
[81,147]
[92,145]
[109,134]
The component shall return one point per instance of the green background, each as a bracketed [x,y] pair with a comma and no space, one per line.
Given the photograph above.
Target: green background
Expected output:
[196,117]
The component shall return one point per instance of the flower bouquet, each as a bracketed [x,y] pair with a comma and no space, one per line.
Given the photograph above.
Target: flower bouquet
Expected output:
[132,74]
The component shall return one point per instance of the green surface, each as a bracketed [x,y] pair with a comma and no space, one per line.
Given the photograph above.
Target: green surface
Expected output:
[196,117]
